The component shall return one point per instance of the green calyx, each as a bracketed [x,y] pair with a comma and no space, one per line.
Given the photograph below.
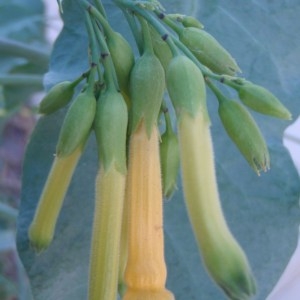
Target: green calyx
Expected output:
[110,127]
[261,100]
[147,83]
[244,132]
[77,123]
[208,51]
[186,86]
[169,159]
[57,97]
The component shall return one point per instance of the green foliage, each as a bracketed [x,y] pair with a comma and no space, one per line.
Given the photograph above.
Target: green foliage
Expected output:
[24,52]
[24,56]
[262,212]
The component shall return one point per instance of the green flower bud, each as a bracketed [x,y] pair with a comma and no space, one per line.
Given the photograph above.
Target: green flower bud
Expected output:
[77,123]
[189,21]
[119,49]
[186,21]
[57,97]
[244,132]
[110,128]
[147,84]
[186,86]
[208,51]
[169,159]
[261,100]
[123,59]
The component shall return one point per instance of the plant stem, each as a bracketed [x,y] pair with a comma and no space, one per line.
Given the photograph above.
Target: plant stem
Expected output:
[134,29]
[216,91]
[80,78]
[95,13]
[155,23]
[110,73]
[94,51]
[169,22]
[147,42]
[92,38]
[99,5]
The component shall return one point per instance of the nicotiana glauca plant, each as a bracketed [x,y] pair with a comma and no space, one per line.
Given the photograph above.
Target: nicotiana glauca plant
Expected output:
[122,103]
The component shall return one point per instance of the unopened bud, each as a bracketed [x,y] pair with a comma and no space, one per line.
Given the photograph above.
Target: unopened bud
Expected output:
[57,97]
[77,123]
[244,132]
[263,101]
[208,51]
[189,21]
[123,59]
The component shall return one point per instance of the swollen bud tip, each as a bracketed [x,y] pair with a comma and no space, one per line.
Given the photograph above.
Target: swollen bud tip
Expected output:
[123,59]
[261,100]
[77,124]
[209,51]
[57,97]
[244,132]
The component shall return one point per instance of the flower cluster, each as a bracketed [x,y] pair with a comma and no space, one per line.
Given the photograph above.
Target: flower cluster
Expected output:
[122,103]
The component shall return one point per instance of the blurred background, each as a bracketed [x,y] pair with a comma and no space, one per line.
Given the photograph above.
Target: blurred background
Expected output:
[28,30]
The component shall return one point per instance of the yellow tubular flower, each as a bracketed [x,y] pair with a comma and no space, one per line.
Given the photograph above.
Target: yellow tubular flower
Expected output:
[110,127]
[104,267]
[145,274]
[42,228]
[222,255]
